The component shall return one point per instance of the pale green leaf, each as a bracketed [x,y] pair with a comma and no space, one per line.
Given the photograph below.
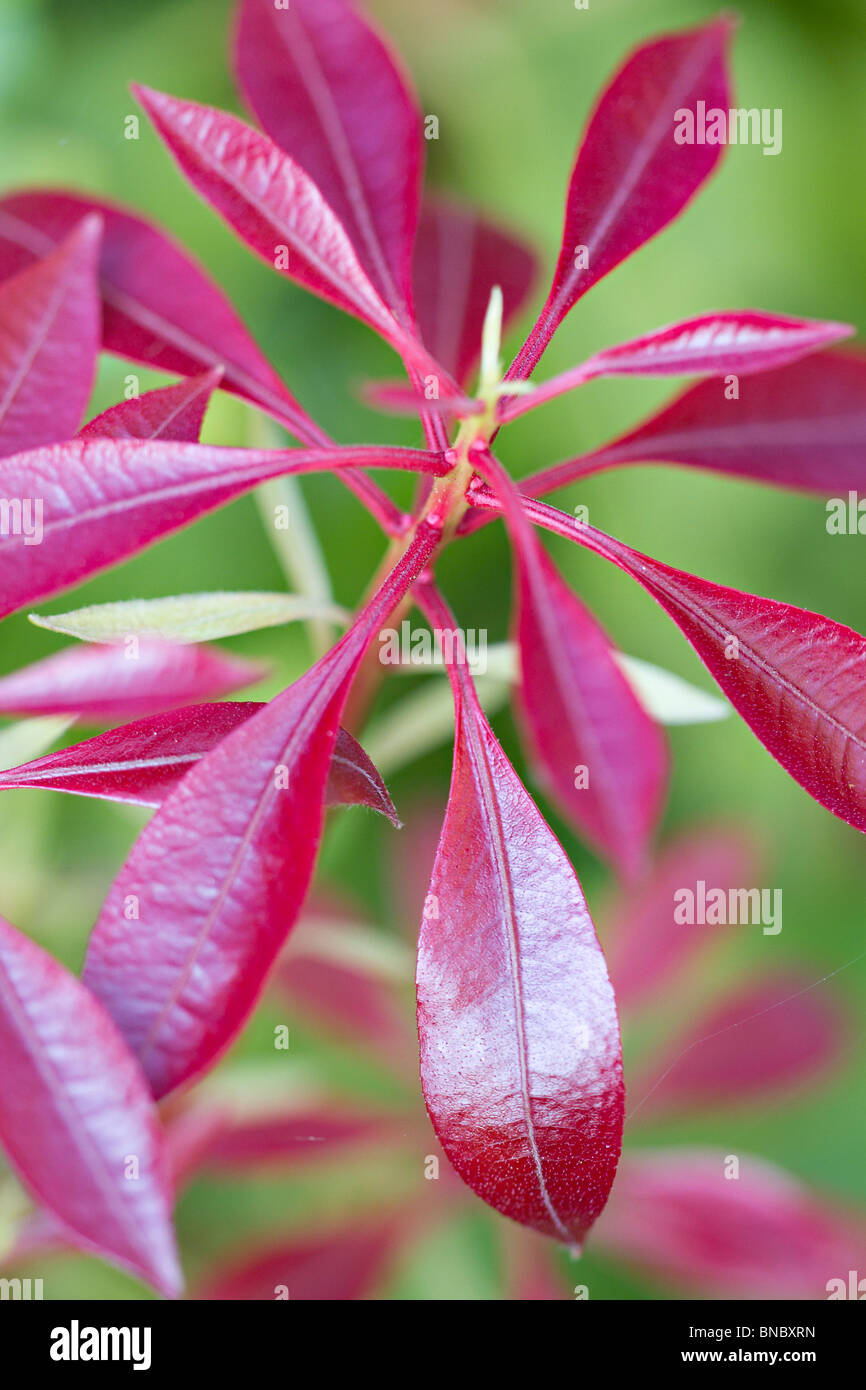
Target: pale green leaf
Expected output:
[669,698]
[187,617]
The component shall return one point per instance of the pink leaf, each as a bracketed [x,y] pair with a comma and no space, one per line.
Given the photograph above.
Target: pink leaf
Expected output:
[677,1214]
[143,762]
[325,88]
[75,1114]
[334,1268]
[276,209]
[598,752]
[49,338]
[219,874]
[159,307]
[402,398]
[801,426]
[459,258]
[286,1139]
[354,1005]
[172,412]
[102,683]
[520,1051]
[631,177]
[796,677]
[98,501]
[757,1040]
[711,345]
[646,947]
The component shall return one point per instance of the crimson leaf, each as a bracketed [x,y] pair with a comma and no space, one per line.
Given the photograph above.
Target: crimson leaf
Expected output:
[325,88]
[76,1117]
[520,1052]
[631,178]
[159,307]
[49,338]
[801,426]
[275,208]
[142,762]
[730,342]
[102,500]
[171,412]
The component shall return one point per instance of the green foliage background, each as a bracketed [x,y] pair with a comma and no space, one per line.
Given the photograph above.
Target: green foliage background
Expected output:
[512,82]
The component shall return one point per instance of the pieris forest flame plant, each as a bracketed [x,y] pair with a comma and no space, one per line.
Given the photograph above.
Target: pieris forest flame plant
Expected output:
[520,1052]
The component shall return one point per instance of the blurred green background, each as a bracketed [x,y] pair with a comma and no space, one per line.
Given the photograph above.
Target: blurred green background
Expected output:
[512,82]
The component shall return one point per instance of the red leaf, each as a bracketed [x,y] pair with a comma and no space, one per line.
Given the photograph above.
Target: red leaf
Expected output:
[143,762]
[102,500]
[803,426]
[215,882]
[459,258]
[159,307]
[758,1039]
[102,683]
[598,752]
[140,763]
[520,1051]
[711,345]
[49,338]
[646,948]
[631,178]
[335,1268]
[796,677]
[325,87]
[275,208]
[355,780]
[172,412]
[676,1214]
[75,1115]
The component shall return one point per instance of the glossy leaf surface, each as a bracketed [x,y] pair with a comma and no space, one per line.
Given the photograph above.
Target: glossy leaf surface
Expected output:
[143,762]
[802,426]
[631,177]
[520,1052]
[102,500]
[326,89]
[273,205]
[159,306]
[723,344]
